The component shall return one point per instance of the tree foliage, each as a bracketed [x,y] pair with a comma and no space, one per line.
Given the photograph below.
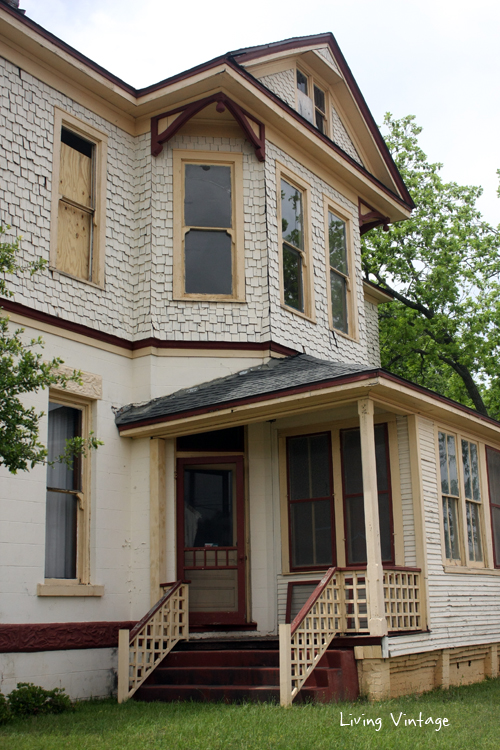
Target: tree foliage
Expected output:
[443,268]
[24,371]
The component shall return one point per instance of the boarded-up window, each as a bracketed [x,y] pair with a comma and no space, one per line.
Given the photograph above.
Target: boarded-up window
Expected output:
[76,206]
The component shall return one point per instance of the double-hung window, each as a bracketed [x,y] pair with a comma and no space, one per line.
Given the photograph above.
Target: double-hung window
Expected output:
[460,498]
[311,101]
[293,245]
[493,464]
[64,495]
[78,205]
[208,257]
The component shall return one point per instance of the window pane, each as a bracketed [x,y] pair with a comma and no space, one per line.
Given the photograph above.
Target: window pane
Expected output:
[493,460]
[207,196]
[64,424]
[443,464]
[209,512]
[208,260]
[476,493]
[311,533]
[337,243]
[292,278]
[319,99]
[351,460]
[60,535]
[381,457]
[450,517]
[292,220]
[301,82]
[452,464]
[467,469]
[356,541]
[320,121]
[339,301]
[309,467]
[473,532]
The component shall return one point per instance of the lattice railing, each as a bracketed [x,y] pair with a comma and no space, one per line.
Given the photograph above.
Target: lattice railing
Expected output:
[303,643]
[146,645]
[402,600]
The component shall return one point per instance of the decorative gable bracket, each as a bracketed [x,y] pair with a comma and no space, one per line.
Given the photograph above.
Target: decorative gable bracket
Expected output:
[369,218]
[187,111]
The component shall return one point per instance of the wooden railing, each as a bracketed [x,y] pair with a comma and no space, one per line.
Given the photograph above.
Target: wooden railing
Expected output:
[339,604]
[303,643]
[141,649]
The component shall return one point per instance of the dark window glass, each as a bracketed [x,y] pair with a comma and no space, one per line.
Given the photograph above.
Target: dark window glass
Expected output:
[319,99]
[74,141]
[337,243]
[208,261]
[310,496]
[353,495]
[493,461]
[209,507]
[61,507]
[232,439]
[207,196]
[302,82]
[292,278]
[320,121]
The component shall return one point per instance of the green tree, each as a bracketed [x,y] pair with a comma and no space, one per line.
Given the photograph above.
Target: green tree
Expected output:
[23,371]
[443,268]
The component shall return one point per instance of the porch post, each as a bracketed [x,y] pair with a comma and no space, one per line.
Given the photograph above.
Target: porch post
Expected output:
[374,571]
[157,512]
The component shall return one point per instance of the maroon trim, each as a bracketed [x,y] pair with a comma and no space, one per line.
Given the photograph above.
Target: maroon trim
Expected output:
[251,54]
[210,619]
[496,553]
[289,594]
[371,219]
[187,111]
[143,621]
[109,338]
[312,599]
[60,636]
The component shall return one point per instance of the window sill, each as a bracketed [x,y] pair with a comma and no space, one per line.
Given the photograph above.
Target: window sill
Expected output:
[474,571]
[297,312]
[347,336]
[67,588]
[54,270]
[208,298]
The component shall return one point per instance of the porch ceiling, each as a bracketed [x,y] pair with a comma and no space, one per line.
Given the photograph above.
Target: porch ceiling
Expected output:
[285,387]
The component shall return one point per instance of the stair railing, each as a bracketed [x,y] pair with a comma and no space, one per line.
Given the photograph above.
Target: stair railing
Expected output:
[303,643]
[141,649]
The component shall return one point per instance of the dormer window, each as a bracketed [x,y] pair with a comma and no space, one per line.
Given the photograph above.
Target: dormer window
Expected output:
[311,101]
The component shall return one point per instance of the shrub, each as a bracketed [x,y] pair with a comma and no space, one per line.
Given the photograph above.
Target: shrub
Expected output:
[32,700]
[5,713]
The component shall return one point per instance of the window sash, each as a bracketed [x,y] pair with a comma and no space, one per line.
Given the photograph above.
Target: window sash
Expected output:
[293,282]
[450,527]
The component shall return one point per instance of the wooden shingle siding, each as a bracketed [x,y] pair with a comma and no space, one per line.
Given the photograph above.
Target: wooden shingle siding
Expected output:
[406,492]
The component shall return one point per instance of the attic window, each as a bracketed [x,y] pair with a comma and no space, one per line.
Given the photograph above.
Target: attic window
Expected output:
[302,82]
[319,109]
[312,101]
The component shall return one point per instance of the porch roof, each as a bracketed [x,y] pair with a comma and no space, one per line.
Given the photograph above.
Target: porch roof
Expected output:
[274,376]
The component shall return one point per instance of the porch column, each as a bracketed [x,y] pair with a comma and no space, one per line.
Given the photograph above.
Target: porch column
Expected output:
[157,516]
[374,571]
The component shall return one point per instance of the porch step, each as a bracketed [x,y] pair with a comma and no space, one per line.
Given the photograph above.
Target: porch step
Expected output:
[234,671]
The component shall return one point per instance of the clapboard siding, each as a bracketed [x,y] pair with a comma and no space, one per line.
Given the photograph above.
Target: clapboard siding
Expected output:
[406,492]
[463,608]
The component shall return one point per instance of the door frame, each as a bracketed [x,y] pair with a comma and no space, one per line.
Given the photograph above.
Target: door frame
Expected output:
[200,619]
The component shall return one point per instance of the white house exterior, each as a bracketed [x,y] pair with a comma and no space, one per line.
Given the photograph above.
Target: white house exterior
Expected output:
[150,293]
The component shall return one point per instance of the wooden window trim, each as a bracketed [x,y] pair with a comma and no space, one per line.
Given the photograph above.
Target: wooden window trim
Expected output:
[464,563]
[100,143]
[352,308]
[286,174]
[61,587]
[235,161]
[314,80]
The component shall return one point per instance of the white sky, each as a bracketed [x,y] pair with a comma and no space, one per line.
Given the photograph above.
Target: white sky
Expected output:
[436,59]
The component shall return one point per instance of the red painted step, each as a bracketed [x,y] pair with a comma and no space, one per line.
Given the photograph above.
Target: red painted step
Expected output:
[247,670]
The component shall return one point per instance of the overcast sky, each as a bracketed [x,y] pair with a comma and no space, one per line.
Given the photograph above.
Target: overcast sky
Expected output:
[436,59]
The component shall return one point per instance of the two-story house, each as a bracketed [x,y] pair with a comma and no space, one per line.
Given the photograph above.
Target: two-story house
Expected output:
[202,238]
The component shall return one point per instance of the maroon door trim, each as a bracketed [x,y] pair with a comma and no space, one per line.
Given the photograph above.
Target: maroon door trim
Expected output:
[198,619]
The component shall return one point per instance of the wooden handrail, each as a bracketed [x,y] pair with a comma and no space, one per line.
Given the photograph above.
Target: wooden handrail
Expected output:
[146,645]
[312,599]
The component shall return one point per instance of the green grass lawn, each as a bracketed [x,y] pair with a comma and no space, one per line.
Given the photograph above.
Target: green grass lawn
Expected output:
[473,715]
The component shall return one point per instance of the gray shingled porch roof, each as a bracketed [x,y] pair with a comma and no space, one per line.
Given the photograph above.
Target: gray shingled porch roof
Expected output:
[275,376]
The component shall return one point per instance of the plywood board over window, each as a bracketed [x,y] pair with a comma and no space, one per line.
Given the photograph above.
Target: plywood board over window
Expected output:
[78,199]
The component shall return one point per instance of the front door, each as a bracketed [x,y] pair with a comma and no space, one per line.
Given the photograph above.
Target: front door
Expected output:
[211,538]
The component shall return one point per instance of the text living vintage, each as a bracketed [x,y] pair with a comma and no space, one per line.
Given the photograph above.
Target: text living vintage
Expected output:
[399,720]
